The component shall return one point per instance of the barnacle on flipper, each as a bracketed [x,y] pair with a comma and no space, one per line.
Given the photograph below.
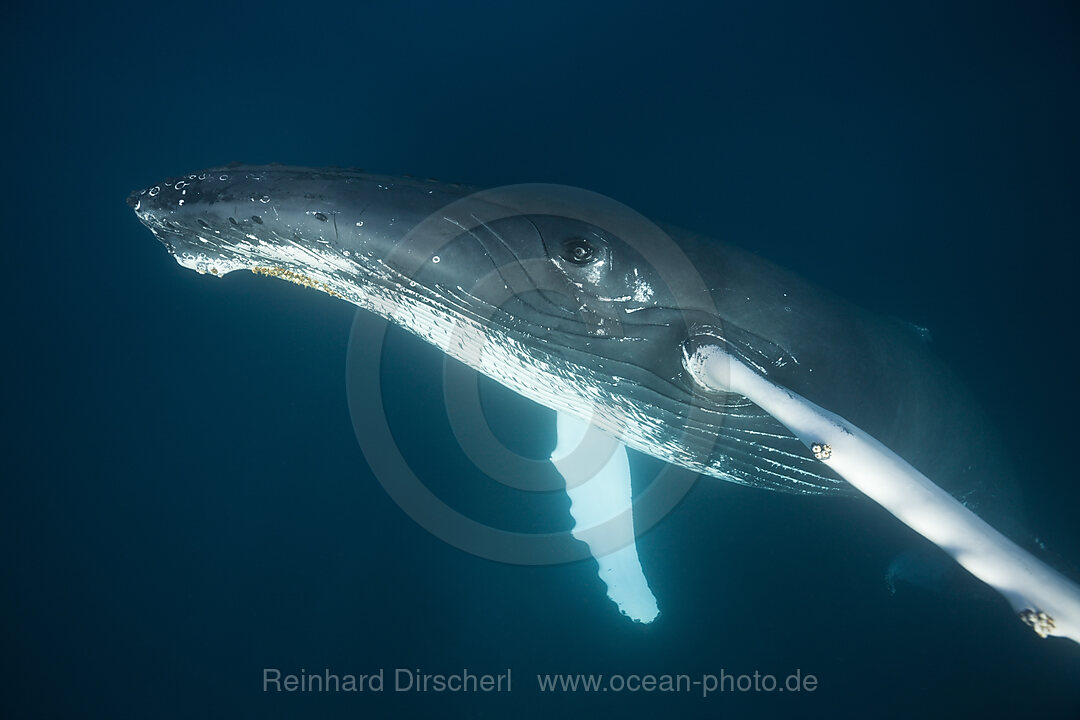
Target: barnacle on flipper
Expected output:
[1039,621]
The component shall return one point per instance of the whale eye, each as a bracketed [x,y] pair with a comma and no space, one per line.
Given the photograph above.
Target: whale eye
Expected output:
[578,251]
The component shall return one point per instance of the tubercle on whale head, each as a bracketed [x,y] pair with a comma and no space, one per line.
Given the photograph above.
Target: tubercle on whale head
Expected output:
[216,221]
[240,216]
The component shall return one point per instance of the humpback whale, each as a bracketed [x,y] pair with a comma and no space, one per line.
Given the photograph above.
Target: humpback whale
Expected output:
[692,351]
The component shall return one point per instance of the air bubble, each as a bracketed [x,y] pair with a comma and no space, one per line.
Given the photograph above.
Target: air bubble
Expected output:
[223,177]
[435,259]
[154,191]
[264,199]
[359,223]
[180,185]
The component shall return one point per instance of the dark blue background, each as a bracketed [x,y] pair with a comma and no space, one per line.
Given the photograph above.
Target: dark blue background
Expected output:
[184,503]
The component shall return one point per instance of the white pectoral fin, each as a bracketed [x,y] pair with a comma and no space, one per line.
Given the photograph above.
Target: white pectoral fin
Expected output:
[597,474]
[1044,599]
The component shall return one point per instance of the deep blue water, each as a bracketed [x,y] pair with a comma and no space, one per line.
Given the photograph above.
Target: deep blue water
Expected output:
[184,503]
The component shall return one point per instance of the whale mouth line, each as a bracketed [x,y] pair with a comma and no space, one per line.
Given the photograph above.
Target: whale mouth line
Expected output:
[229,249]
